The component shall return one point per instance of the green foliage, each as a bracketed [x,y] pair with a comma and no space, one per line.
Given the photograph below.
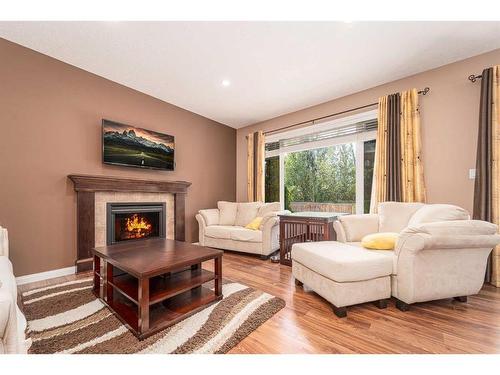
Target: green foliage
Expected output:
[321,175]
[272,179]
[369,161]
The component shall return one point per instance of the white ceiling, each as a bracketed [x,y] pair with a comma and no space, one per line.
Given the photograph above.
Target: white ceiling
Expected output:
[274,67]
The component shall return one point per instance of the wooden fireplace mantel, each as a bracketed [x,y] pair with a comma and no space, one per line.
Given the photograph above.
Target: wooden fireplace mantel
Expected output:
[84,182]
[87,185]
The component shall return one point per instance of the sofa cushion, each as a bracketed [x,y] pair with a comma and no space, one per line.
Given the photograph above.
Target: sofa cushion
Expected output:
[431,213]
[387,253]
[219,231]
[211,216]
[355,227]
[246,235]
[394,216]
[246,213]
[267,208]
[235,233]
[227,212]
[341,262]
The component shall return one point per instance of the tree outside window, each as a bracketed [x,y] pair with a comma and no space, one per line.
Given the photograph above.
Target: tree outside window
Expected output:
[324,175]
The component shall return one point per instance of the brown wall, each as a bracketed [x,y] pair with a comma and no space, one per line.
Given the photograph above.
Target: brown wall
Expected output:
[50,124]
[449,126]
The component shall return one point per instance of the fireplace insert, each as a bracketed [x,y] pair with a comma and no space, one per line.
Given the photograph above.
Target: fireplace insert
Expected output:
[134,221]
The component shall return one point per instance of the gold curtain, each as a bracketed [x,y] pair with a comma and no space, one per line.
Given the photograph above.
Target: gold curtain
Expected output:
[398,130]
[495,195]
[255,167]
[412,169]
[379,185]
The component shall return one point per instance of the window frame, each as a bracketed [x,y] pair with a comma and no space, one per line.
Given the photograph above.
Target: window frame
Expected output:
[358,139]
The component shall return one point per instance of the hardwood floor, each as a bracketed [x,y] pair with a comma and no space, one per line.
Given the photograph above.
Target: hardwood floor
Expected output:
[308,325]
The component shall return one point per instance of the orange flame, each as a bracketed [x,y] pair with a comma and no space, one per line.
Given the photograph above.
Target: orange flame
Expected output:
[137,227]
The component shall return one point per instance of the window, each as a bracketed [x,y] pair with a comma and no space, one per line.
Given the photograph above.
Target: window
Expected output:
[330,169]
[322,179]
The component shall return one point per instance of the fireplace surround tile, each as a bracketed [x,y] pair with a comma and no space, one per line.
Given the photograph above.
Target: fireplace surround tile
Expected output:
[101,198]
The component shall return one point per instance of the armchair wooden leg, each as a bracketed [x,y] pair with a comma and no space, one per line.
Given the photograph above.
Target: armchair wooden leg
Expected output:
[298,282]
[341,312]
[381,303]
[460,298]
[403,306]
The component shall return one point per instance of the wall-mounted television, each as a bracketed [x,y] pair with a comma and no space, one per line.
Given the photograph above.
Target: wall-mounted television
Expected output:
[136,147]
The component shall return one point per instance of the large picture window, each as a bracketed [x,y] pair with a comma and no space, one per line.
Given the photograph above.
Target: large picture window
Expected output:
[320,171]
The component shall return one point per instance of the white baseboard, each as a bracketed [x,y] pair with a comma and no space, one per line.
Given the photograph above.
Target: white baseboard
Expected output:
[21,280]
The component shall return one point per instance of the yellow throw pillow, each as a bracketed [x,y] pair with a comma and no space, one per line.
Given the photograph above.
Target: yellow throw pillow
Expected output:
[254,224]
[380,241]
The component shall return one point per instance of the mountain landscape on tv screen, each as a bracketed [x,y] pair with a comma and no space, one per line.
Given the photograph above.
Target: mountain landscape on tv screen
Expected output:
[137,147]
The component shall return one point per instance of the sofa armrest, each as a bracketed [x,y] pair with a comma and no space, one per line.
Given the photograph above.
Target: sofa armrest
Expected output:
[283,212]
[459,234]
[201,220]
[270,235]
[8,322]
[210,216]
[269,223]
[454,227]
[4,242]
[271,215]
[201,229]
[352,228]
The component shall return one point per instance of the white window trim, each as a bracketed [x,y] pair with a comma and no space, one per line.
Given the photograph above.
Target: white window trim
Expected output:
[326,125]
[357,139]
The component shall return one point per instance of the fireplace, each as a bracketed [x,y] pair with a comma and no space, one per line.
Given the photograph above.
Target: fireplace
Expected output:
[134,221]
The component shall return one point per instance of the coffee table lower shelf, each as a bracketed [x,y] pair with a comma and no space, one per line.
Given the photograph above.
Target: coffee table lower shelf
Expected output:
[162,315]
[172,297]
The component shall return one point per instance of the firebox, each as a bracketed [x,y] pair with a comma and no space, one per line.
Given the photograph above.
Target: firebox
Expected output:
[133,221]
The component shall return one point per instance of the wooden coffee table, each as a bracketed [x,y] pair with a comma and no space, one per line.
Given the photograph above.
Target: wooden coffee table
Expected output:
[152,284]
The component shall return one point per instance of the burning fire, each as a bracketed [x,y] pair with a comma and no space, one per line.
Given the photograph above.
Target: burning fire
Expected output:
[137,227]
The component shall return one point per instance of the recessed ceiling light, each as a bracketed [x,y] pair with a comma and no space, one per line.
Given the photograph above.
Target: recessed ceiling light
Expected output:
[226,82]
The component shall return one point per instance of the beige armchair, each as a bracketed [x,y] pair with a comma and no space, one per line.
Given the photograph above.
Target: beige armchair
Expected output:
[224,227]
[440,252]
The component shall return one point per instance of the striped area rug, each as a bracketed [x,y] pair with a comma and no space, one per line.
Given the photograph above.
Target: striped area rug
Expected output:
[67,318]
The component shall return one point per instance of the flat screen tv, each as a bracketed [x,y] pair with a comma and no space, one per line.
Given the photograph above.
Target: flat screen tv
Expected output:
[136,147]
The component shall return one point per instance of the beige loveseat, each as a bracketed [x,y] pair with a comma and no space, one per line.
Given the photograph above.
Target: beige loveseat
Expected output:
[224,227]
[12,320]
[440,253]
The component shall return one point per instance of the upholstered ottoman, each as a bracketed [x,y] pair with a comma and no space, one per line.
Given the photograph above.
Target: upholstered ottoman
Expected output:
[343,274]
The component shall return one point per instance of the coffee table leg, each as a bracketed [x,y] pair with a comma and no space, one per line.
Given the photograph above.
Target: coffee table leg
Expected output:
[107,279]
[196,266]
[143,305]
[97,279]
[218,276]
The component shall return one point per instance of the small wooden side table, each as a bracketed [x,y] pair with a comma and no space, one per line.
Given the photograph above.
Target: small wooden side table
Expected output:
[305,227]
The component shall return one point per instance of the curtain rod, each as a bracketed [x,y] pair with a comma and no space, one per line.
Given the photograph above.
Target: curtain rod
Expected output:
[473,78]
[421,92]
